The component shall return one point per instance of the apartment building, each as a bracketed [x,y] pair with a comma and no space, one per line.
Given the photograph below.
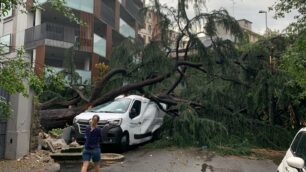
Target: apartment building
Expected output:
[222,33]
[246,26]
[151,29]
[46,35]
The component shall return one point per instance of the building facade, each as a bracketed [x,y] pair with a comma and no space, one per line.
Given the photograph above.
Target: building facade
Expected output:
[46,35]
[151,29]
[246,26]
[222,33]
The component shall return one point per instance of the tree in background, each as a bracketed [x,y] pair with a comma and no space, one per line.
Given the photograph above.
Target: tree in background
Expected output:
[283,7]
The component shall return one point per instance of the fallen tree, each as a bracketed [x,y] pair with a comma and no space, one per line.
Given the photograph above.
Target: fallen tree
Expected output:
[221,91]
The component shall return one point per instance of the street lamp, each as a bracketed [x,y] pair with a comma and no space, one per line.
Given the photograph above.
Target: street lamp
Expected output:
[262,11]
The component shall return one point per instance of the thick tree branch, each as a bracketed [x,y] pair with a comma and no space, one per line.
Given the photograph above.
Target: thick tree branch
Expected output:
[55,102]
[48,103]
[99,86]
[114,93]
[177,82]
[80,93]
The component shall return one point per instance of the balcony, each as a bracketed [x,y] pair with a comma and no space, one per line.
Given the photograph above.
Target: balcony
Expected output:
[52,34]
[107,14]
[134,10]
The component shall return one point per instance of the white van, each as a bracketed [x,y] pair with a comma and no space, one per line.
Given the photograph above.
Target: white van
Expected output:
[295,155]
[125,121]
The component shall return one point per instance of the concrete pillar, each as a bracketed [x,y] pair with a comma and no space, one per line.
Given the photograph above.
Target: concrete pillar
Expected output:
[109,41]
[36,23]
[18,127]
[37,17]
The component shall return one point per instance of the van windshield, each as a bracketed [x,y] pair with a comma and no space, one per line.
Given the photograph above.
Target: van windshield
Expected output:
[116,106]
[298,147]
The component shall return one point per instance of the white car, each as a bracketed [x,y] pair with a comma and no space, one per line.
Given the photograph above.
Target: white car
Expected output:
[125,121]
[296,154]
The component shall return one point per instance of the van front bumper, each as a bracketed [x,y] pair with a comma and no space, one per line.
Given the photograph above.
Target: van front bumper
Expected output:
[110,134]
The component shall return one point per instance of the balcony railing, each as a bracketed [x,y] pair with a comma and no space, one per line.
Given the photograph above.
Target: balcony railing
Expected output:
[50,31]
[134,10]
[53,31]
[107,14]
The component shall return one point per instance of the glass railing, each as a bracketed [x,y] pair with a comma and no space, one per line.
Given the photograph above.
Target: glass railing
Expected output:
[126,30]
[99,45]
[82,5]
[41,1]
[84,74]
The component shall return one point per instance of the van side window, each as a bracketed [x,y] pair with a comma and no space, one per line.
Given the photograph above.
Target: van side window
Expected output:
[135,110]
[298,146]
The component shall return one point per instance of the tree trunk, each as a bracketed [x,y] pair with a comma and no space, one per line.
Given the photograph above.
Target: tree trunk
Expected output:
[58,118]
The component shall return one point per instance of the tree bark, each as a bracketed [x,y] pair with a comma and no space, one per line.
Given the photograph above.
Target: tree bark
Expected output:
[58,118]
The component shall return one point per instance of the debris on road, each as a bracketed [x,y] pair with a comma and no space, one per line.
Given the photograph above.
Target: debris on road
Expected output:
[37,161]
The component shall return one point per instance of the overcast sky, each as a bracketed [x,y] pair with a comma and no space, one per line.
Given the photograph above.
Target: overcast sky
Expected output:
[246,9]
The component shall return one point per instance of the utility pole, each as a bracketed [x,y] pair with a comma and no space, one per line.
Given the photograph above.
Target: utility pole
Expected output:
[234,3]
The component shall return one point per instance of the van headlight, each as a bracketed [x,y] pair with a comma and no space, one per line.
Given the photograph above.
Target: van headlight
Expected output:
[115,122]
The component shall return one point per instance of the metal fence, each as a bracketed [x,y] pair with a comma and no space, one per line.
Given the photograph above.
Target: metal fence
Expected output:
[3,124]
[50,31]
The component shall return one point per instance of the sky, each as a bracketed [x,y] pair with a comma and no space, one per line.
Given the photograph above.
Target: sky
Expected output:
[246,9]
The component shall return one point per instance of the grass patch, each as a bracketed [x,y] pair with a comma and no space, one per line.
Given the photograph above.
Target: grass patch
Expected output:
[239,151]
[160,144]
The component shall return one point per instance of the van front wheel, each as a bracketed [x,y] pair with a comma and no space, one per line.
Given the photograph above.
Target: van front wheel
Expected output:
[124,142]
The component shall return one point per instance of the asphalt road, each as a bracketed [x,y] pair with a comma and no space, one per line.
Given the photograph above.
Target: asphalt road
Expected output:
[186,160]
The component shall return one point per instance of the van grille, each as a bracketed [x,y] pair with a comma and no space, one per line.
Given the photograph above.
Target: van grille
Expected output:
[83,124]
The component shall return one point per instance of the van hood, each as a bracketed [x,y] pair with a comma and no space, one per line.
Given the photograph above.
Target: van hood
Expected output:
[103,116]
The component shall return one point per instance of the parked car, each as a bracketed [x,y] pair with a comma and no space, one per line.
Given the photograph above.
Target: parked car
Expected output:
[296,154]
[128,120]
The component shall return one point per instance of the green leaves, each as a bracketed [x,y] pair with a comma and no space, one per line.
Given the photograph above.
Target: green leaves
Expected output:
[5,109]
[283,7]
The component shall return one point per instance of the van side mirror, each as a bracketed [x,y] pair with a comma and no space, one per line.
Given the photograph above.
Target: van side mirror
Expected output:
[133,113]
[295,162]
